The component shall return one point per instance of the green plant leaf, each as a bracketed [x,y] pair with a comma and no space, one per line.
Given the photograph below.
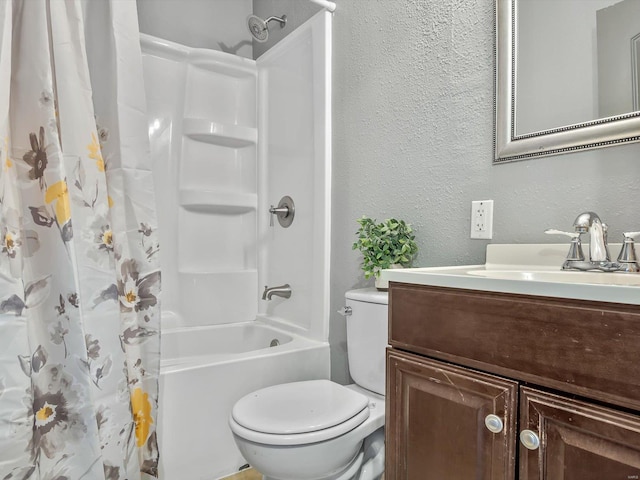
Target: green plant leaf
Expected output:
[384,244]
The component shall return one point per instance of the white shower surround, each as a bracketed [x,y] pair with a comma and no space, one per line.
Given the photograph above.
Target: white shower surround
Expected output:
[229,137]
[203,133]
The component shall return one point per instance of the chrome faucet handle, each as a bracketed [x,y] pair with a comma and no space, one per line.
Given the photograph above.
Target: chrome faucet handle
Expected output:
[553,231]
[279,212]
[575,248]
[630,235]
[627,257]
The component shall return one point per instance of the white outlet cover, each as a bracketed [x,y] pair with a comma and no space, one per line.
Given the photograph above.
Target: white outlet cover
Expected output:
[482,219]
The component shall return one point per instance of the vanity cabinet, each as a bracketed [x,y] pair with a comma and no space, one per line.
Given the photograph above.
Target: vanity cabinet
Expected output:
[436,421]
[579,440]
[471,372]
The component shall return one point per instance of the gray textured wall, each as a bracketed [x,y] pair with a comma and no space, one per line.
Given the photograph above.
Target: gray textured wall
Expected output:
[413,138]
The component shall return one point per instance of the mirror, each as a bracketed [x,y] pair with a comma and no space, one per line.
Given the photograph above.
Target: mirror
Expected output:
[567,76]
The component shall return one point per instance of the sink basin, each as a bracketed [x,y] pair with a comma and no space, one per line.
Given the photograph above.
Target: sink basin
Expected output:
[562,276]
[528,270]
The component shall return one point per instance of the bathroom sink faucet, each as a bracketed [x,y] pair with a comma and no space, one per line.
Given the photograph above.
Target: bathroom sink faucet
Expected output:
[283,291]
[590,222]
[599,258]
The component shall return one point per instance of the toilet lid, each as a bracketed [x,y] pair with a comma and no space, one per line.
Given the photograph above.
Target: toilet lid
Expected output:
[298,407]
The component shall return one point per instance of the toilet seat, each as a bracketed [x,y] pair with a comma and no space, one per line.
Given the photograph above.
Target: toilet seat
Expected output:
[298,413]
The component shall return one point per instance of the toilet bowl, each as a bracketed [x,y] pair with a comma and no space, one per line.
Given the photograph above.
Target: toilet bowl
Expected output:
[324,446]
[318,429]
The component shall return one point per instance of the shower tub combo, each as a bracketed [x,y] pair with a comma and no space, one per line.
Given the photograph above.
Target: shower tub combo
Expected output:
[229,137]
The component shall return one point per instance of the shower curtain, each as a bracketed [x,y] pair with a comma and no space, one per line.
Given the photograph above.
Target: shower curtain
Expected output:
[79,268]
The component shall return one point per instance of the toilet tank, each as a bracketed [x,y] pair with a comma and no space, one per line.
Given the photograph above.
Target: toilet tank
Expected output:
[367,337]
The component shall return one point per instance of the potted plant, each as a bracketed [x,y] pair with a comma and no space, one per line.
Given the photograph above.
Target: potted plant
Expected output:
[388,244]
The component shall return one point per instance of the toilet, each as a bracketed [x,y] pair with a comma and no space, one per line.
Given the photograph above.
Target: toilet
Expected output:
[318,429]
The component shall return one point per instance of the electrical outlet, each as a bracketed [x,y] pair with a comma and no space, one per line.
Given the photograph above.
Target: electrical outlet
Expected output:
[482,219]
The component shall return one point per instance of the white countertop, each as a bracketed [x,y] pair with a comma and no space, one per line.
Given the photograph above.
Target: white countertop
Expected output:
[529,269]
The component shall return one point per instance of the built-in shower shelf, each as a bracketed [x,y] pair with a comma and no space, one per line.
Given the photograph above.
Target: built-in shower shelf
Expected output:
[233,136]
[216,201]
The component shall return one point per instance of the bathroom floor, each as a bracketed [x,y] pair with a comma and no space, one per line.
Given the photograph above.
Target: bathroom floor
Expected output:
[248,474]
[251,474]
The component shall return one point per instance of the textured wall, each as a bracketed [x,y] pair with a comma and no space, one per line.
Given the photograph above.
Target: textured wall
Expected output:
[413,138]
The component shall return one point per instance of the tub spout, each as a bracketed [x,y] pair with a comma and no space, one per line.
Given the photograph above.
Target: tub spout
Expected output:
[283,291]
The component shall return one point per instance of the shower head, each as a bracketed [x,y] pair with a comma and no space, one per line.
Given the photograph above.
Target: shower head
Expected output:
[259,28]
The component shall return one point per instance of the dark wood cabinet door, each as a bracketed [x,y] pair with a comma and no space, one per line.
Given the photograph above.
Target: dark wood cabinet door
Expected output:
[436,428]
[578,440]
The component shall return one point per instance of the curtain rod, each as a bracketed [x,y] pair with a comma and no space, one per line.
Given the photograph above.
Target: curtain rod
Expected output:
[331,6]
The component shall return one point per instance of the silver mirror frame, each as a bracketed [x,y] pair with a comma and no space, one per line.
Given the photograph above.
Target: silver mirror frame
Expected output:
[510,147]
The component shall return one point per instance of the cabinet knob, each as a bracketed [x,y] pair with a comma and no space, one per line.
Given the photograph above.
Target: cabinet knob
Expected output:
[493,423]
[529,439]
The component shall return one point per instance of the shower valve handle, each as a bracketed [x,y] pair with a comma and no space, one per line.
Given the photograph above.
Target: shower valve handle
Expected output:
[285,211]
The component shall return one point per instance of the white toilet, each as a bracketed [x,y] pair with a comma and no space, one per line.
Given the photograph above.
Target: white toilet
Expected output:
[318,429]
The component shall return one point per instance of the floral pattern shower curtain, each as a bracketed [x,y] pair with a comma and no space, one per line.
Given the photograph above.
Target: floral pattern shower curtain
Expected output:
[79,269]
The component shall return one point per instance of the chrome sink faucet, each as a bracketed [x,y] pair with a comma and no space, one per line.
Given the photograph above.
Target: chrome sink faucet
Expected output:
[283,291]
[590,222]
[599,258]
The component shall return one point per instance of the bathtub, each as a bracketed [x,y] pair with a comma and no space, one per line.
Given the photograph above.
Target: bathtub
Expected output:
[204,370]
